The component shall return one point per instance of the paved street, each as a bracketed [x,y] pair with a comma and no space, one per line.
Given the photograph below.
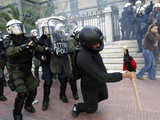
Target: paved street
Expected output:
[121,104]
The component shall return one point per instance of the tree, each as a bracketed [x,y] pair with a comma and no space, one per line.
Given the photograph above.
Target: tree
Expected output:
[11,13]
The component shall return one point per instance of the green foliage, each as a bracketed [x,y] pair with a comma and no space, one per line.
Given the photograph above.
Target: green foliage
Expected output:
[30,15]
[11,13]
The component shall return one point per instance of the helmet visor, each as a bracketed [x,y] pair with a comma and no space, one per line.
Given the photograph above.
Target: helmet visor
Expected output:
[16,29]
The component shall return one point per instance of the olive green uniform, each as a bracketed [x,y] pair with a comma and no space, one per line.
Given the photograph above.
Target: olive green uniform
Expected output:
[62,66]
[2,77]
[19,63]
[2,66]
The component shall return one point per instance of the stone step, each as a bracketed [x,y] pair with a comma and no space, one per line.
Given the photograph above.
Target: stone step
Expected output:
[120,55]
[114,45]
[120,61]
[120,66]
[118,50]
[125,42]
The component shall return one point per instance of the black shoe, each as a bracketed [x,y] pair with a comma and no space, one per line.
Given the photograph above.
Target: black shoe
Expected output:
[45,105]
[3,98]
[75,111]
[17,116]
[30,109]
[64,98]
[75,96]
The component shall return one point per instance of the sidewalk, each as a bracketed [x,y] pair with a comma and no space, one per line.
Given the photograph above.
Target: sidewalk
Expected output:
[121,104]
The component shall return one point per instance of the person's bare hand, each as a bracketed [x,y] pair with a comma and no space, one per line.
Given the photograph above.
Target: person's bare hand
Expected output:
[46,48]
[30,43]
[43,58]
[129,75]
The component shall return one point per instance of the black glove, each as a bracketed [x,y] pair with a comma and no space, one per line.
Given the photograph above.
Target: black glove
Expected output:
[24,46]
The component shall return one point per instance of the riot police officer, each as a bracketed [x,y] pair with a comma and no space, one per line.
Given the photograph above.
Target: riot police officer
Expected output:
[2,66]
[74,46]
[45,62]
[19,62]
[60,63]
[93,72]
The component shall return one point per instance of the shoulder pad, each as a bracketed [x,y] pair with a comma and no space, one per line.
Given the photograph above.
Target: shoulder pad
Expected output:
[6,41]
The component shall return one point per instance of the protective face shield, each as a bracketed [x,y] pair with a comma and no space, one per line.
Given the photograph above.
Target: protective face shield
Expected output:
[60,27]
[156,7]
[145,6]
[34,32]
[15,27]
[138,4]
[127,5]
[141,11]
[46,30]
[76,31]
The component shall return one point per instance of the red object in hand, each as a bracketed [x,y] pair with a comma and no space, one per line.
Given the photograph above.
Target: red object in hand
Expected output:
[130,65]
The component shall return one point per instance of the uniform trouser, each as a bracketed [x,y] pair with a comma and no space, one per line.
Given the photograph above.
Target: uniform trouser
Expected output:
[2,80]
[1,88]
[47,76]
[36,72]
[24,97]
[63,84]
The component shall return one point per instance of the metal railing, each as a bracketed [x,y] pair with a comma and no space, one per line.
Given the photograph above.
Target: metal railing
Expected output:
[107,21]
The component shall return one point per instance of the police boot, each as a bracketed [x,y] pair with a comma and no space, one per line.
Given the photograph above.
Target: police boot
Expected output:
[46,93]
[19,102]
[2,97]
[75,111]
[63,97]
[28,103]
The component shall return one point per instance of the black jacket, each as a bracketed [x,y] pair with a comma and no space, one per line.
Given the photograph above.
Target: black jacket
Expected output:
[45,42]
[94,74]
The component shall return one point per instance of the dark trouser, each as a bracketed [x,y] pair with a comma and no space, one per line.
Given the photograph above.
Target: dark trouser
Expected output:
[47,77]
[22,98]
[90,103]
[63,84]
[36,72]
[1,89]
[92,95]
[73,85]
[2,80]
